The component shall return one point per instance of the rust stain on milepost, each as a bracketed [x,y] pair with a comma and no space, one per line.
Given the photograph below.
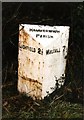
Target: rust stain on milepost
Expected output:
[34,88]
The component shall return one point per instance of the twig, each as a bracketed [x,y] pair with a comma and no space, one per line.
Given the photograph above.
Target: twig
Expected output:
[36,103]
[6,72]
[43,20]
[14,16]
[6,109]
[57,99]
[31,108]
[13,35]
[10,84]
[12,98]
[16,32]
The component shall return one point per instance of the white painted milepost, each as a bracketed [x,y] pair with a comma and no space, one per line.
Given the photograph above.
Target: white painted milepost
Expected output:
[41,59]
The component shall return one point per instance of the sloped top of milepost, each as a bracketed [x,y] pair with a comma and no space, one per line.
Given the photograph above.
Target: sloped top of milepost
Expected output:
[45,35]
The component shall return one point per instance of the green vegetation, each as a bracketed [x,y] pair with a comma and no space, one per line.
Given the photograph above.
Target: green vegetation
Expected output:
[18,106]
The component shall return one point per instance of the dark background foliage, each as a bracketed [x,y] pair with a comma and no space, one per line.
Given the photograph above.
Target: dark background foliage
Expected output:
[71,14]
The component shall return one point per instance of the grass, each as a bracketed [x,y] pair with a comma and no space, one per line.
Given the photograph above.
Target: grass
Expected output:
[18,106]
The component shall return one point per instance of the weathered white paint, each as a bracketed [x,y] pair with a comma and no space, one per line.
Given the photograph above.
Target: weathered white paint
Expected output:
[37,73]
